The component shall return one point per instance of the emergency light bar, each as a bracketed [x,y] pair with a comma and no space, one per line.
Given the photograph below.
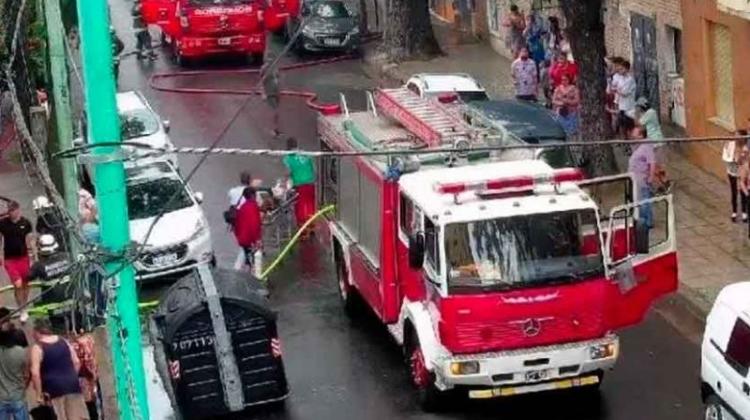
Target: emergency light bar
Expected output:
[511,182]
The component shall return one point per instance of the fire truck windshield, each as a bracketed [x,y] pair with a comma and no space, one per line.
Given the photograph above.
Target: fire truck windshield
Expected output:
[523,251]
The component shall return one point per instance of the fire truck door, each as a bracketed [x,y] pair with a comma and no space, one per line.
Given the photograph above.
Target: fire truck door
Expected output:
[158,12]
[608,193]
[648,270]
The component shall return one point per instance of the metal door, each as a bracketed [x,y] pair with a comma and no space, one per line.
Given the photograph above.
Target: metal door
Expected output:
[645,60]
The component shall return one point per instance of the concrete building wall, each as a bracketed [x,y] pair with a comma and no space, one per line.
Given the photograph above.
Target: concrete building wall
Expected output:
[701,79]
[667,15]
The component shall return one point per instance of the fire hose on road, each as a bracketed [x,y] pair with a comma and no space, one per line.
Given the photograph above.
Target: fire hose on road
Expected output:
[310,96]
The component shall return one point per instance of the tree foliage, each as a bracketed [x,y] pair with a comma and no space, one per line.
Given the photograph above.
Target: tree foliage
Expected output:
[585,32]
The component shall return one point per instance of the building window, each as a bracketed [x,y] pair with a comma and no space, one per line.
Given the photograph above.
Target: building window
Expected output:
[674,37]
[721,73]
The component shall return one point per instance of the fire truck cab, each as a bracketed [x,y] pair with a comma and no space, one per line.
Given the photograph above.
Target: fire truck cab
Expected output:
[498,274]
[200,28]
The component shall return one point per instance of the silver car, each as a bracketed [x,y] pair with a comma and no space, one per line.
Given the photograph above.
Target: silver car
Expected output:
[327,25]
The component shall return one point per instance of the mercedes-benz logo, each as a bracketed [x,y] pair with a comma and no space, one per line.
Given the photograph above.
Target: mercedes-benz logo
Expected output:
[531,327]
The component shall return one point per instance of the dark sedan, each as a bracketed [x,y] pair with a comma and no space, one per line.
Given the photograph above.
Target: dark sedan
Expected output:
[532,123]
[328,25]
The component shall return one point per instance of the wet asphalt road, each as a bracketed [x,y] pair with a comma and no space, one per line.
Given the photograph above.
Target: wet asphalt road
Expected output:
[339,369]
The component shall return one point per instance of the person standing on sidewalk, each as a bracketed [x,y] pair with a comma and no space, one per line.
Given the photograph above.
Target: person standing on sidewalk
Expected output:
[54,373]
[643,166]
[302,173]
[14,372]
[623,87]
[525,77]
[18,252]
[732,156]
[516,24]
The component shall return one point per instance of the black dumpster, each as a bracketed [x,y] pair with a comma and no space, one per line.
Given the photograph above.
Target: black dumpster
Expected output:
[216,344]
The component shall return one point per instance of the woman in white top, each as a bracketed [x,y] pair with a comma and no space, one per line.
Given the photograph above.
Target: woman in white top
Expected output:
[733,157]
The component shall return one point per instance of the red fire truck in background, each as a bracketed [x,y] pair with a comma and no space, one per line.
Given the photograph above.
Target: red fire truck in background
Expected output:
[279,14]
[498,276]
[200,28]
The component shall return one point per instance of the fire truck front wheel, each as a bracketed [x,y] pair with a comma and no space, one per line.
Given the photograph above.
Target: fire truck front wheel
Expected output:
[431,399]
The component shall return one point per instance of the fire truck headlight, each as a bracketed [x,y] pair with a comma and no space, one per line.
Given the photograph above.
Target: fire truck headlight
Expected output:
[465,368]
[603,351]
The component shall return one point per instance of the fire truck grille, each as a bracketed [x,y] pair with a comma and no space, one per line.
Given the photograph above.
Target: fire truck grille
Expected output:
[504,335]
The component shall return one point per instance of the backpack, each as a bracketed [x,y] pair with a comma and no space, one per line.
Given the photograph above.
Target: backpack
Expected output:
[230,215]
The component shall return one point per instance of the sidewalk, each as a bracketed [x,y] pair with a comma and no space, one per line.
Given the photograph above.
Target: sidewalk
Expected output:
[713,251]
[15,185]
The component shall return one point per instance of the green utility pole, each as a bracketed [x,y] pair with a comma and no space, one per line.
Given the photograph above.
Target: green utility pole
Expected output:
[61,98]
[109,179]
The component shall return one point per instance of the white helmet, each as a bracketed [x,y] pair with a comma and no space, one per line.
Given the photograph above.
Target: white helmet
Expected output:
[41,202]
[47,244]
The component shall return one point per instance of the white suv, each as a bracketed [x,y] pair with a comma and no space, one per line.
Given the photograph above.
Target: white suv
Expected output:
[181,239]
[725,356]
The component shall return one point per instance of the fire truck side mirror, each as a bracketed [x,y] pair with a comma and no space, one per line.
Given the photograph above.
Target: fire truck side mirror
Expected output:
[416,251]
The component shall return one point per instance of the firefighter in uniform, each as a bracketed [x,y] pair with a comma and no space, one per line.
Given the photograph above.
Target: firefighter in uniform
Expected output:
[117,48]
[270,77]
[53,265]
[143,46]
[49,220]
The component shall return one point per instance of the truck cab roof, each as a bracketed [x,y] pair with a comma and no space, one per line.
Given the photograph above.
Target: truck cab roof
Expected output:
[423,188]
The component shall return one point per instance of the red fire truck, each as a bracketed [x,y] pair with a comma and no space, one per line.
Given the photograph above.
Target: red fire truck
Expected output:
[279,14]
[498,276]
[199,28]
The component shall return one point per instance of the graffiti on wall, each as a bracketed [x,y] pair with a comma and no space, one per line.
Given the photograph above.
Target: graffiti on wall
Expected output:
[677,112]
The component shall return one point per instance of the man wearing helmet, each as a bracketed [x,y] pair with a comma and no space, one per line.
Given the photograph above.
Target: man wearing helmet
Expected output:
[18,250]
[53,264]
[49,220]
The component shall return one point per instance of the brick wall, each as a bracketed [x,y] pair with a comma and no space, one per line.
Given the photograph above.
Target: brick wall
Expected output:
[618,35]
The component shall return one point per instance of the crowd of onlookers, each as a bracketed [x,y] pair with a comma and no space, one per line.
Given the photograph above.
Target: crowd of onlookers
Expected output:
[60,373]
[543,65]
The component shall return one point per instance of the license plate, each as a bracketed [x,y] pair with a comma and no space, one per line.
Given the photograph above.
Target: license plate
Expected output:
[532,388]
[165,259]
[331,42]
[225,41]
[536,375]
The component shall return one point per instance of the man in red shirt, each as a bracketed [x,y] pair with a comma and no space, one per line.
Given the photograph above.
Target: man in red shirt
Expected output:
[18,250]
[562,67]
[248,226]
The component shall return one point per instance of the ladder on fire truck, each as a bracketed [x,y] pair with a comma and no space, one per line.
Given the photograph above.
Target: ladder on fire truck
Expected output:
[425,118]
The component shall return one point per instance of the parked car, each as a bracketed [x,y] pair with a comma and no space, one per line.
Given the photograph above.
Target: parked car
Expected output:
[533,124]
[139,123]
[436,84]
[181,239]
[328,26]
[725,356]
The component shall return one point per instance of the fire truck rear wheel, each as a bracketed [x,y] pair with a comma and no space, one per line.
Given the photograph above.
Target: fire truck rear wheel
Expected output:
[346,292]
[430,398]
